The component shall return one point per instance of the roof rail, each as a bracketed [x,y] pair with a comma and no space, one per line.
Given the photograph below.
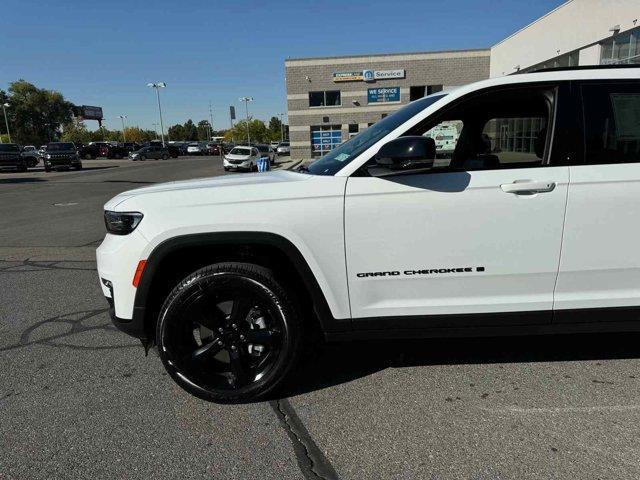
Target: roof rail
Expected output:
[582,67]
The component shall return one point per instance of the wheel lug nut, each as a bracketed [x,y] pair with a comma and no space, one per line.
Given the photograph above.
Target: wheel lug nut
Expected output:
[219,342]
[220,330]
[233,325]
[241,337]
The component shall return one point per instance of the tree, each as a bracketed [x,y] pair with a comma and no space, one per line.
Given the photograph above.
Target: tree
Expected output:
[76,132]
[176,132]
[257,131]
[190,131]
[204,129]
[275,129]
[35,114]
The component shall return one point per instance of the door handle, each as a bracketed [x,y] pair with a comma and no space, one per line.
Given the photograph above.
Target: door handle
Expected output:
[527,187]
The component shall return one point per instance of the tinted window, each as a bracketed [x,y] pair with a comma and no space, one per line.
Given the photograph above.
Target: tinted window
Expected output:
[52,147]
[612,123]
[8,147]
[240,151]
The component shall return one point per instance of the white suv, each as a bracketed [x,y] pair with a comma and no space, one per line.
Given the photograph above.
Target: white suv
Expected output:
[530,224]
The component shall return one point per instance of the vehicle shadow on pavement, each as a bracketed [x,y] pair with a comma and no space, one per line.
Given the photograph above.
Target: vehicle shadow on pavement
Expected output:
[338,363]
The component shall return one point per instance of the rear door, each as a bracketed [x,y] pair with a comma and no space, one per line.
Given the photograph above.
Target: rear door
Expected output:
[600,262]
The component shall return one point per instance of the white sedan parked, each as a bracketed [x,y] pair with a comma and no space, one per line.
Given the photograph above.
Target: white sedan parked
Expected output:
[245,158]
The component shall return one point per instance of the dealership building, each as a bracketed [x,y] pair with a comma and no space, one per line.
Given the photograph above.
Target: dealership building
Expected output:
[331,99]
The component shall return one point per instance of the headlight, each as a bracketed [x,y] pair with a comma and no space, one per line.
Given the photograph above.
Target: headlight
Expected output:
[121,223]
[48,156]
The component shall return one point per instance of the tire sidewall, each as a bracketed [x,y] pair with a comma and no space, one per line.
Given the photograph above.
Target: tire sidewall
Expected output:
[257,278]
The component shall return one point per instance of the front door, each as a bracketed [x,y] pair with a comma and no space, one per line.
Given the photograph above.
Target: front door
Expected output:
[480,233]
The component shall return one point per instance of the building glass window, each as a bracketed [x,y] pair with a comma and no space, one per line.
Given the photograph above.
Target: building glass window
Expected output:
[416,92]
[325,138]
[623,48]
[433,89]
[329,98]
[567,60]
[353,128]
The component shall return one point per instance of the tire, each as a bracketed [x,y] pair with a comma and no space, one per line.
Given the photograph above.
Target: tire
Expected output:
[205,329]
[226,169]
[165,157]
[79,166]
[87,156]
[47,169]
[142,158]
[22,167]
[253,168]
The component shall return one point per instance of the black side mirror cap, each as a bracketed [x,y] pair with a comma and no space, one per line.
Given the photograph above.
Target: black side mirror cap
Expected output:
[407,152]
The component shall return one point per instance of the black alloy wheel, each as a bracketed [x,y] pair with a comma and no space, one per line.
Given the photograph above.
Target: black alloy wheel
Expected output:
[229,333]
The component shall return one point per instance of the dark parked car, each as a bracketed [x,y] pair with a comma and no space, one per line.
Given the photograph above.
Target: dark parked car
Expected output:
[150,152]
[61,155]
[91,151]
[10,157]
[30,154]
[114,150]
[214,148]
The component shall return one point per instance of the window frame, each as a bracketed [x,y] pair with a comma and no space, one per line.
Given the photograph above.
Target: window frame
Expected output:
[324,93]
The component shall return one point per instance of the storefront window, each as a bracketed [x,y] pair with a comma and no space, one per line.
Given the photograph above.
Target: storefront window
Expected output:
[623,48]
[325,138]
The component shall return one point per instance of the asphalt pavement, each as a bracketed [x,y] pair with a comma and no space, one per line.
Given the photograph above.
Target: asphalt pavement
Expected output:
[78,399]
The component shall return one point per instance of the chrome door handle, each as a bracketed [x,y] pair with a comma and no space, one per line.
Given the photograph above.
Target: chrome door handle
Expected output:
[526,187]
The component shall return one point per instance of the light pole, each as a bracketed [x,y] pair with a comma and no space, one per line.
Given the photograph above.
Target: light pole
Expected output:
[246,101]
[6,121]
[124,137]
[158,86]
[155,129]
[281,115]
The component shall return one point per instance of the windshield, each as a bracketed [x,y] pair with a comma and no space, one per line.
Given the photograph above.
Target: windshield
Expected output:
[240,151]
[335,160]
[263,148]
[284,144]
[8,147]
[53,147]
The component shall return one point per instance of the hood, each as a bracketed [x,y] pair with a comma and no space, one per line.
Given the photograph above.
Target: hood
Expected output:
[236,156]
[222,183]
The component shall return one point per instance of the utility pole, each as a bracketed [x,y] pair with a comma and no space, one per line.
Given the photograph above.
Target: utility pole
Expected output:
[124,137]
[246,101]
[155,129]
[6,121]
[158,86]
[210,121]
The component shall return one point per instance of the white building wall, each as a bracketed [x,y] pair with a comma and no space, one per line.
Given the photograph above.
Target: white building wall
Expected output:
[572,26]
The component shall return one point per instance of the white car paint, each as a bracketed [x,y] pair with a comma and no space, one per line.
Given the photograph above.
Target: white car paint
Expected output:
[245,158]
[573,245]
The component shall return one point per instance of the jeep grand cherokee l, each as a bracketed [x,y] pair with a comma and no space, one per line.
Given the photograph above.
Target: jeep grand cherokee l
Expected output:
[529,225]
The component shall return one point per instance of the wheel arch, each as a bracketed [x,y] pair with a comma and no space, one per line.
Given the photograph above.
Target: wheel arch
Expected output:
[174,258]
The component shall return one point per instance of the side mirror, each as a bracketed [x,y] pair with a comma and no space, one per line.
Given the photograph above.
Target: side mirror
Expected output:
[407,152]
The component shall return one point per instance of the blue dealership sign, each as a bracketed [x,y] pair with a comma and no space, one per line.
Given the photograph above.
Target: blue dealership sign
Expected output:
[383,94]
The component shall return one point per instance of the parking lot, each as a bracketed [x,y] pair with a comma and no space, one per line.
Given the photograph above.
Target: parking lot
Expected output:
[78,399]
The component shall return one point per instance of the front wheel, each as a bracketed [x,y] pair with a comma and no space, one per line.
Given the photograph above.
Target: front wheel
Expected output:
[165,157]
[142,158]
[229,333]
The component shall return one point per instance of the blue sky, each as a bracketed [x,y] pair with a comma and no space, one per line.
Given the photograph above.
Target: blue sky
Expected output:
[104,53]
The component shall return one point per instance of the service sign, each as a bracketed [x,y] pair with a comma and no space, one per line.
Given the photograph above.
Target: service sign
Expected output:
[347,76]
[383,94]
[90,113]
[368,75]
[388,74]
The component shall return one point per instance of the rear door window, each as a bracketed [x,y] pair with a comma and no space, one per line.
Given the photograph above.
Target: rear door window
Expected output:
[611,123]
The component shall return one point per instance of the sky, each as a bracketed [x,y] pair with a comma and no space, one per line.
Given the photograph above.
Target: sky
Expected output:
[104,53]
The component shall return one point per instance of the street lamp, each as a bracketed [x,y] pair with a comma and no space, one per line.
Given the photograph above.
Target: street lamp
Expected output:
[246,101]
[158,86]
[122,117]
[155,129]
[6,121]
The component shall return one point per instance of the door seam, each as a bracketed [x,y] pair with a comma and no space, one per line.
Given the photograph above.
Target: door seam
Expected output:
[564,224]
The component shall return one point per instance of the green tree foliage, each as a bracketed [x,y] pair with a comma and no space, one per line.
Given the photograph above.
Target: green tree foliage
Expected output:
[77,133]
[258,132]
[35,114]
[203,130]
